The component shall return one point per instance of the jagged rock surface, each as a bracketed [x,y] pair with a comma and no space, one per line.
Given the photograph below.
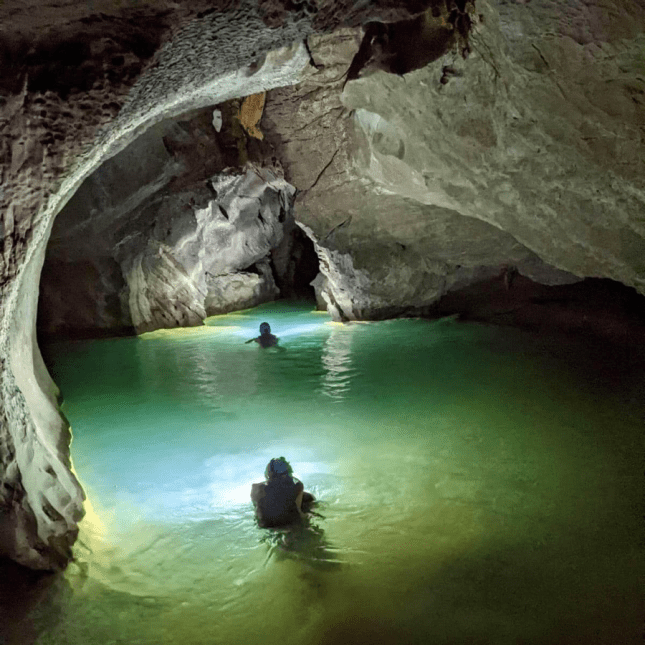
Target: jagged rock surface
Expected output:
[196,262]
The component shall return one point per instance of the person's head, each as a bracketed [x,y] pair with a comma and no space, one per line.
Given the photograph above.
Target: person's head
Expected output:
[278,467]
[265,328]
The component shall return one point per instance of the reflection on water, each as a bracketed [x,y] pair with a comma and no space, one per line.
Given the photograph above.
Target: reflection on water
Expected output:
[337,363]
[475,485]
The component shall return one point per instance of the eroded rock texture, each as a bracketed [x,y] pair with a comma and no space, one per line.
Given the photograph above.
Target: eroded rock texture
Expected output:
[153,237]
[443,159]
[526,153]
[211,259]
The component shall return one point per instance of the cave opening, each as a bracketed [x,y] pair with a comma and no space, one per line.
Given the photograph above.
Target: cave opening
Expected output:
[194,218]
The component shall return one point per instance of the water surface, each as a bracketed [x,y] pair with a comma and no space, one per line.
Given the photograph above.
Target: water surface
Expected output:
[477,485]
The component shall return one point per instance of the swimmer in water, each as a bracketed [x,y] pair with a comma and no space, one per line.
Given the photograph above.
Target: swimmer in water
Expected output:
[282,499]
[266,338]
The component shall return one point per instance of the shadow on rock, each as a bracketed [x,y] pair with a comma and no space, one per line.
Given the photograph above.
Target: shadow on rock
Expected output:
[30,602]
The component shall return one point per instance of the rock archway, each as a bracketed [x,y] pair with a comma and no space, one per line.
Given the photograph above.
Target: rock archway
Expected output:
[516,141]
[63,130]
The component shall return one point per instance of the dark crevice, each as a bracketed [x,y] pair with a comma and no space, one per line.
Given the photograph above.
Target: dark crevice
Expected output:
[594,307]
[302,267]
[407,45]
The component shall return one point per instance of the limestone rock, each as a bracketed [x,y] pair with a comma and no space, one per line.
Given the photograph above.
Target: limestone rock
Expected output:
[515,138]
[240,290]
[161,293]
[195,259]
[470,165]
[83,297]
[381,254]
[141,241]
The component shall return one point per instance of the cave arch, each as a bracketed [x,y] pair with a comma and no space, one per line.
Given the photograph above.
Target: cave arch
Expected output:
[43,498]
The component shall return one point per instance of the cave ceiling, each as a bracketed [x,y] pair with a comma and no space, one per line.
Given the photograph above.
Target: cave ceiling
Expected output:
[438,140]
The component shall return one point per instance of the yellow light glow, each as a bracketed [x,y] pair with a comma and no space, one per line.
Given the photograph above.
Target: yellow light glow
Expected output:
[203,330]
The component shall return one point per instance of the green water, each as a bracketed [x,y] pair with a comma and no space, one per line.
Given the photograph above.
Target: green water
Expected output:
[477,485]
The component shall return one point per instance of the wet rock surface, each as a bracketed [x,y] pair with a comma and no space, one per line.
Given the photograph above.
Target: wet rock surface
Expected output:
[467,165]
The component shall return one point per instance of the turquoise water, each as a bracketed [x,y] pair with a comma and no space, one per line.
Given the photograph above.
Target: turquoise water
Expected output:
[476,485]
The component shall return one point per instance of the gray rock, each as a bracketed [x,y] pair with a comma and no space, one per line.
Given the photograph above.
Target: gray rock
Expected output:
[196,261]
[240,290]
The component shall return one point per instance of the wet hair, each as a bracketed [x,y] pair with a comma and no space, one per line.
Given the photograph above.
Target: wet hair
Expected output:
[278,467]
[265,328]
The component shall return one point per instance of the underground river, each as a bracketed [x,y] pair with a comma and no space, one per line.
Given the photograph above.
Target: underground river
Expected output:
[476,485]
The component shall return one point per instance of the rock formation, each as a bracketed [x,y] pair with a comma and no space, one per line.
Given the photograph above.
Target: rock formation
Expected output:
[516,140]
[466,165]
[167,261]
[176,227]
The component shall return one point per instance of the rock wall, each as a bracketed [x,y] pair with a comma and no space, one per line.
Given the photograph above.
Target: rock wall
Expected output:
[513,155]
[523,138]
[43,169]
[196,263]
[381,254]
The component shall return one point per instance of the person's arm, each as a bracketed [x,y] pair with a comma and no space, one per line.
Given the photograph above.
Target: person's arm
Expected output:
[300,488]
[253,340]
[257,493]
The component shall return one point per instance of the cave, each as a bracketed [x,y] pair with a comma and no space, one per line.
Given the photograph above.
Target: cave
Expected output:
[190,220]
[470,172]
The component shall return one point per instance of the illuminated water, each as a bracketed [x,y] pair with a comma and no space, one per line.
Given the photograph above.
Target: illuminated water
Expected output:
[477,486]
